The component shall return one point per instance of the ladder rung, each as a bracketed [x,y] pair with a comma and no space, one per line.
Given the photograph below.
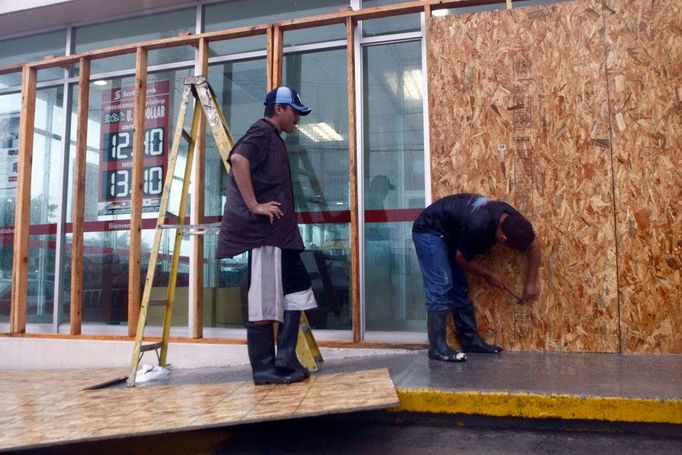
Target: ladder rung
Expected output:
[158,302]
[151,347]
[186,135]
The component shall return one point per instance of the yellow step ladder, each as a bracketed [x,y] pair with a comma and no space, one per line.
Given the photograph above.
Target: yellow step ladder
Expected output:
[205,101]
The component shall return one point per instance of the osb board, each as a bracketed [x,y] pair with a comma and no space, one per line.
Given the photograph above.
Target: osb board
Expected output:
[645,81]
[519,112]
[30,404]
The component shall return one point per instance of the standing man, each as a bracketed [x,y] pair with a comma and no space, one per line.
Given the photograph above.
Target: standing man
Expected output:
[447,235]
[259,218]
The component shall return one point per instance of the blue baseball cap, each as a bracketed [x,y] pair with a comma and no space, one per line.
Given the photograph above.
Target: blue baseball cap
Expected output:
[286,95]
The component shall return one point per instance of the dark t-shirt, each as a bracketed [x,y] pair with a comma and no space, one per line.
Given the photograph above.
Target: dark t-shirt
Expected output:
[240,230]
[467,222]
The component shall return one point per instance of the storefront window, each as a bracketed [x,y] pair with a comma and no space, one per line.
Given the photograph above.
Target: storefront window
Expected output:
[45,199]
[388,25]
[242,13]
[10,106]
[318,155]
[126,31]
[394,185]
[240,88]
[29,49]
[108,190]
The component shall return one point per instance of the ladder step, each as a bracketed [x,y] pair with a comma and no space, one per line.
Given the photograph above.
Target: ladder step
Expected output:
[151,347]
[158,302]
[186,135]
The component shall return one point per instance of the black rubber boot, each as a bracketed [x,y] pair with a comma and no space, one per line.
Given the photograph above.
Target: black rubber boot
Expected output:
[467,332]
[261,345]
[286,343]
[438,345]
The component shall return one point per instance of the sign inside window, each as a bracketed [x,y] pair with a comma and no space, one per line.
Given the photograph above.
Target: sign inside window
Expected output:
[116,148]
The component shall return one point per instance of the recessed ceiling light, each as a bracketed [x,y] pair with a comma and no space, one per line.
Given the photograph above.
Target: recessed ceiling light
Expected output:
[100,82]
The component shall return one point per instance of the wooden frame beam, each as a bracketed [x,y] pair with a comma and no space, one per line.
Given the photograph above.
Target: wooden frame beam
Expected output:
[8,69]
[182,40]
[79,198]
[353,174]
[277,56]
[197,205]
[135,254]
[22,217]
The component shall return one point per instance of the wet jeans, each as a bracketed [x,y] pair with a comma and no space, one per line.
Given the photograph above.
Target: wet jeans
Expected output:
[445,283]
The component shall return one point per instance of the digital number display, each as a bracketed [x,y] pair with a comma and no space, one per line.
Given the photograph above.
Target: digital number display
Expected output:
[117,183]
[118,146]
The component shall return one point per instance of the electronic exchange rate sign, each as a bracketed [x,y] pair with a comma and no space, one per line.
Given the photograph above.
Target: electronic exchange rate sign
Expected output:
[116,148]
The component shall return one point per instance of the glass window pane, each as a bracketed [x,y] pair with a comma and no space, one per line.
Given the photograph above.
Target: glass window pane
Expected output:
[240,88]
[318,149]
[394,293]
[46,187]
[394,184]
[318,155]
[10,107]
[315,35]
[126,31]
[29,49]
[107,191]
[388,25]
[241,13]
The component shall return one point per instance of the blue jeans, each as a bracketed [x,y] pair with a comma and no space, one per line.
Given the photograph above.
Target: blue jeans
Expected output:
[445,283]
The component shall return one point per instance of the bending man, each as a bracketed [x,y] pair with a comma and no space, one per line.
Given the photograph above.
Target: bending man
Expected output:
[259,218]
[447,236]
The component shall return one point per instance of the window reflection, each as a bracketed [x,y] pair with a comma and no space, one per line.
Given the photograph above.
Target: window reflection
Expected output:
[394,182]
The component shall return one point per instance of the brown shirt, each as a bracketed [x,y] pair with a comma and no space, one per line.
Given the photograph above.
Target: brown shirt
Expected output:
[241,230]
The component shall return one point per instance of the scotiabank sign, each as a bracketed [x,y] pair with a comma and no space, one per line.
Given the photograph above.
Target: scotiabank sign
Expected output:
[116,148]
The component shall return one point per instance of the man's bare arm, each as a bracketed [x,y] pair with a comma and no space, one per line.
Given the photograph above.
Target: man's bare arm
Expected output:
[241,169]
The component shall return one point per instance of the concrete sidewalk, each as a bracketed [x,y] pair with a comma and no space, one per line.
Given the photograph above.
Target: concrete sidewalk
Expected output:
[570,386]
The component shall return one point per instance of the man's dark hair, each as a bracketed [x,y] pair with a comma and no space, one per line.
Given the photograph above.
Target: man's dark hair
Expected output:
[519,231]
[269,110]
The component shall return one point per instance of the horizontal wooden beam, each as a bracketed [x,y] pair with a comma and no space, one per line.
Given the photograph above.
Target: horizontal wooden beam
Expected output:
[8,69]
[182,40]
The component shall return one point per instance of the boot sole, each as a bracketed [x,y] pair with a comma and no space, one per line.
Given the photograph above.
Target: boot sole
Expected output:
[446,359]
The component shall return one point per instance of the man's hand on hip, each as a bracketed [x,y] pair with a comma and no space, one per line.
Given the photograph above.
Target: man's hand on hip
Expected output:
[270,209]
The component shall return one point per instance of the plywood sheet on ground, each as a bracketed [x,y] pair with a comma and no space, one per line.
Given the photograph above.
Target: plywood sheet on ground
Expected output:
[645,79]
[519,112]
[38,408]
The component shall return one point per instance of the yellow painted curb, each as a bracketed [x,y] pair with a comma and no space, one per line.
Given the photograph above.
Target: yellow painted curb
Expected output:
[529,405]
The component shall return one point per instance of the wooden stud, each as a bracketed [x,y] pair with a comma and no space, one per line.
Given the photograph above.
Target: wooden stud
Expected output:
[192,40]
[135,254]
[353,174]
[197,205]
[270,46]
[277,56]
[8,69]
[509,4]
[79,197]
[22,215]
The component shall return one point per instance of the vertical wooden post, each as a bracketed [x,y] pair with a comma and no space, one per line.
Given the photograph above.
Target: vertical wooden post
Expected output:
[197,215]
[277,56]
[270,56]
[509,4]
[79,197]
[22,216]
[353,174]
[135,254]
